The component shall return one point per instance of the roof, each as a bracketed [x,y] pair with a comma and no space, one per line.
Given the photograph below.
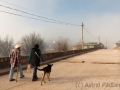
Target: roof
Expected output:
[90,44]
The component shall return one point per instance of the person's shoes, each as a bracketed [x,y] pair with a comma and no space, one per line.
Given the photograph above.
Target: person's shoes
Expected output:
[35,79]
[12,80]
[22,76]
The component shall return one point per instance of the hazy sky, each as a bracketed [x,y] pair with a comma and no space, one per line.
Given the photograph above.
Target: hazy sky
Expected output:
[100,18]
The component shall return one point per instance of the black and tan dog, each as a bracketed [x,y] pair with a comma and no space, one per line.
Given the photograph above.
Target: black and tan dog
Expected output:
[46,71]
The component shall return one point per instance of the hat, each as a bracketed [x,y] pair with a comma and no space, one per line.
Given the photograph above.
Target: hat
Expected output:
[17,46]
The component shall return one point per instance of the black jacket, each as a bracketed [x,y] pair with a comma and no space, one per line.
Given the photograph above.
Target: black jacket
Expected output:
[35,60]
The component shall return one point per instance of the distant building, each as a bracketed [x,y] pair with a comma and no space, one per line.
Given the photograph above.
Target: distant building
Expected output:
[117,45]
[101,46]
[88,45]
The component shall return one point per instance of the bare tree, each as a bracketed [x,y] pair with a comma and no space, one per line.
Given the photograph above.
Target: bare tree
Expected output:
[6,45]
[28,42]
[62,44]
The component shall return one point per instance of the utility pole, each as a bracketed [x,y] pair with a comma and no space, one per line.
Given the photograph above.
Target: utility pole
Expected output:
[82,38]
[106,43]
[99,40]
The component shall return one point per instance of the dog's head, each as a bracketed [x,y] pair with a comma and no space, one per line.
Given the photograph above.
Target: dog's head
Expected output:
[50,65]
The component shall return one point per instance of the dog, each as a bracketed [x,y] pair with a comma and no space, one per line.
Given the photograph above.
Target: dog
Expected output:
[46,71]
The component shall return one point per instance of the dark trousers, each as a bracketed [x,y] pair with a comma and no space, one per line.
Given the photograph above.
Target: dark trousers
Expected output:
[34,72]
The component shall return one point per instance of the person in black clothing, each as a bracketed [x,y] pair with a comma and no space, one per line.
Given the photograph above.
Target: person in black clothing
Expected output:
[34,60]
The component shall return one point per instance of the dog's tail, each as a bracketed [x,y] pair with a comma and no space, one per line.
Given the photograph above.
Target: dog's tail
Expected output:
[40,69]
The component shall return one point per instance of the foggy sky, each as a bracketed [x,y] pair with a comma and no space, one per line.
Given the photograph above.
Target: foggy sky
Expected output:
[101,18]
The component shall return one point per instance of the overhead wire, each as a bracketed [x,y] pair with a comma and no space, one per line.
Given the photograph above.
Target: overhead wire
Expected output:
[38,16]
[37,19]
[45,19]
[27,17]
[34,14]
[26,8]
[18,6]
[55,21]
[89,33]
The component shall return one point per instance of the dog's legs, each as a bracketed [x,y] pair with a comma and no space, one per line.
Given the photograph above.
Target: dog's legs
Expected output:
[43,78]
[48,75]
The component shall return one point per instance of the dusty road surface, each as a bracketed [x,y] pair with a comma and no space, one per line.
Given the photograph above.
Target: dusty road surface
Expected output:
[99,71]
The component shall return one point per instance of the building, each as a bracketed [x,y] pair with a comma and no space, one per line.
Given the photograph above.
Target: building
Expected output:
[117,45]
[88,45]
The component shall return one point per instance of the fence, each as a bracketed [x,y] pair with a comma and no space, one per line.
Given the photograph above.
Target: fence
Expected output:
[5,62]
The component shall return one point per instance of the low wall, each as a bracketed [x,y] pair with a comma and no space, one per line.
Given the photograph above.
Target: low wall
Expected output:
[5,62]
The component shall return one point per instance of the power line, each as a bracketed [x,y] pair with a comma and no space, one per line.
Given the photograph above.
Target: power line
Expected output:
[34,18]
[18,6]
[56,21]
[38,16]
[25,16]
[90,34]
[32,11]
[60,22]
